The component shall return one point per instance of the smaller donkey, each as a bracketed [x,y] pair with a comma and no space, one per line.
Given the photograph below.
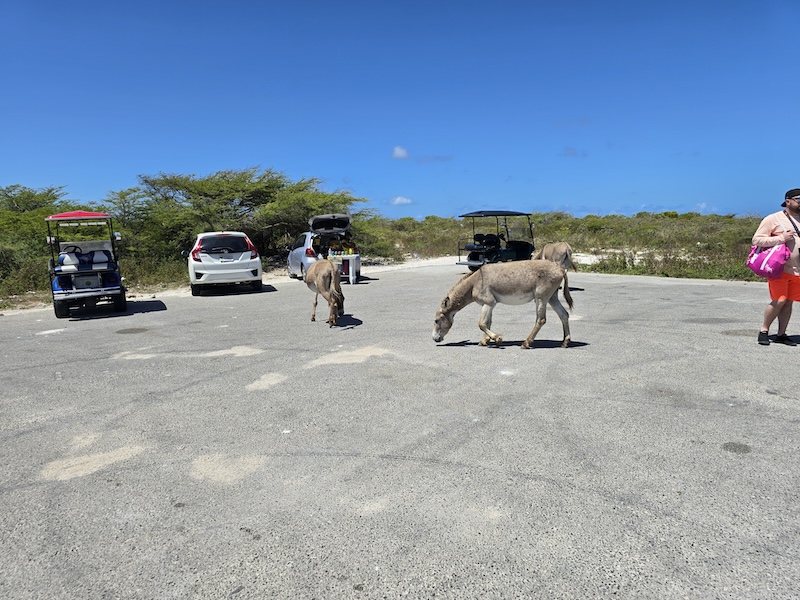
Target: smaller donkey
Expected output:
[559,252]
[323,278]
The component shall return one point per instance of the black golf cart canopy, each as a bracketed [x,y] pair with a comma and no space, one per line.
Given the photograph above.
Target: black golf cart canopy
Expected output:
[498,214]
[494,213]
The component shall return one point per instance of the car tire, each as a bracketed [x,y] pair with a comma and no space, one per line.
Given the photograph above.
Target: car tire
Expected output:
[256,285]
[302,273]
[195,290]
[120,302]
[61,308]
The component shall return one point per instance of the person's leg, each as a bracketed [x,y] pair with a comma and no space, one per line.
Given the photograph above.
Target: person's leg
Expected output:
[779,293]
[773,311]
[784,314]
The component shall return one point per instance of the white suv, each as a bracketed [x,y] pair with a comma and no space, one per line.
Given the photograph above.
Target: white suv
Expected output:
[222,258]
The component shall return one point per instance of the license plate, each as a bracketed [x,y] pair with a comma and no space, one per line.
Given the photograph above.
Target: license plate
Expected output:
[87,282]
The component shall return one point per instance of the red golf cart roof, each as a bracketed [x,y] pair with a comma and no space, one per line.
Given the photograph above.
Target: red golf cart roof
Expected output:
[76,215]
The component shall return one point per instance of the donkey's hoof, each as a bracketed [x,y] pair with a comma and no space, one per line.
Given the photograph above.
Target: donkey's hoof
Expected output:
[484,341]
[498,340]
[526,345]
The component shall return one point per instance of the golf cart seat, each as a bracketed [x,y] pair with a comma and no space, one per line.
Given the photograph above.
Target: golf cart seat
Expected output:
[477,244]
[491,240]
[522,249]
[74,262]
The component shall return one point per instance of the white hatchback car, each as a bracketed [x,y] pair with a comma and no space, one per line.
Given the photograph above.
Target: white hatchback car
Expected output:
[223,258]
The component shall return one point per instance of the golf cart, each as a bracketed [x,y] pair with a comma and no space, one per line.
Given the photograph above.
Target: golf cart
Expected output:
[84,263]
[511,238]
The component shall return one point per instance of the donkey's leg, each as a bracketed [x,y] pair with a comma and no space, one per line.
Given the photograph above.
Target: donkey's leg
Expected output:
[563,315]
[332,312]
[314,309]
[326,294]
[485,322]
[338,295]
[541,318]
[324,284]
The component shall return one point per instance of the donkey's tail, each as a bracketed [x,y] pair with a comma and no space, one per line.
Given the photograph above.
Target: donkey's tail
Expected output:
[336,289]
[569,263]
[567,295]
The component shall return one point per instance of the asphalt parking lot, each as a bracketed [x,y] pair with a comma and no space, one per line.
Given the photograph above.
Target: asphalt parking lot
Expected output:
[225,446]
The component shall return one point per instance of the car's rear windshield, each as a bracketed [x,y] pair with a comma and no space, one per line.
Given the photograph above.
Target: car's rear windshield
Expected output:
[223,243]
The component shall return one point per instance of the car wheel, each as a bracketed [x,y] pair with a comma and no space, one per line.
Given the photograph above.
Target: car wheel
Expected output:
[120,302]
[61,308]
[256,285]
[302,273]
[195,290]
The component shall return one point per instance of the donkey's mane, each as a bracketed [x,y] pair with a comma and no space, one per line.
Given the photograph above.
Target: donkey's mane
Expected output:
[455,294]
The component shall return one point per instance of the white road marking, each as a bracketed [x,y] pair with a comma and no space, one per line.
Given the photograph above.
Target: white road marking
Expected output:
[142,354]
[267,381]
[224,469]
[78,466]
[354,356]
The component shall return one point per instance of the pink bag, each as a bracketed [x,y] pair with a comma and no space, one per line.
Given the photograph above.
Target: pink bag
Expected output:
[768,262]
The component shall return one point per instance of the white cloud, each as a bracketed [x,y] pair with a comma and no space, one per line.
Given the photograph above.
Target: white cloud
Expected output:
[400,201]
[570,152]
[399,153]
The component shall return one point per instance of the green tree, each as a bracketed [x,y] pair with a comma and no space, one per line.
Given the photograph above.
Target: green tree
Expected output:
[23,247]
[264,204]
[277,223]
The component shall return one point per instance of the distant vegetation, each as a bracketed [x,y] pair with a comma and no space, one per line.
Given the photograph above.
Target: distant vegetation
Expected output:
[162,215]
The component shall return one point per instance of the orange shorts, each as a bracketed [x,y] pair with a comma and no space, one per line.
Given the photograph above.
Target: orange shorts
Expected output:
[785,287]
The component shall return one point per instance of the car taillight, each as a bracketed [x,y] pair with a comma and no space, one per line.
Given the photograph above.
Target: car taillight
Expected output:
[196,254]
[310,253]
[253,251]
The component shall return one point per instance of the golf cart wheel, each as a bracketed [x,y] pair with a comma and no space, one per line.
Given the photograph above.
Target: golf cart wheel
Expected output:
[61,308]
[476,257]
[120,302]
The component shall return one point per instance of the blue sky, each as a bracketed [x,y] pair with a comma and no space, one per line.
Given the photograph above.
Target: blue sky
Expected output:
[422,108]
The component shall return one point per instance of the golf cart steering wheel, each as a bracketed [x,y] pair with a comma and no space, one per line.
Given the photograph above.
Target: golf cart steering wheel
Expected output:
[70,249]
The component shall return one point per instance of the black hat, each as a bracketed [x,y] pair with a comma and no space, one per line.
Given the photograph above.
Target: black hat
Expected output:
[791,194]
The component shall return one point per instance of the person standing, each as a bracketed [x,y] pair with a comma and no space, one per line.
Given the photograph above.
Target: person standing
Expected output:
[782,227]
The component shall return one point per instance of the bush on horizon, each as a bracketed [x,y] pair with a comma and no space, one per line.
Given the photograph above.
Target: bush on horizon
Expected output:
[162,215]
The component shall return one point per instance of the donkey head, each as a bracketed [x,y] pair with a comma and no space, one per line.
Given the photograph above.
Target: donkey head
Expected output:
[443,320]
